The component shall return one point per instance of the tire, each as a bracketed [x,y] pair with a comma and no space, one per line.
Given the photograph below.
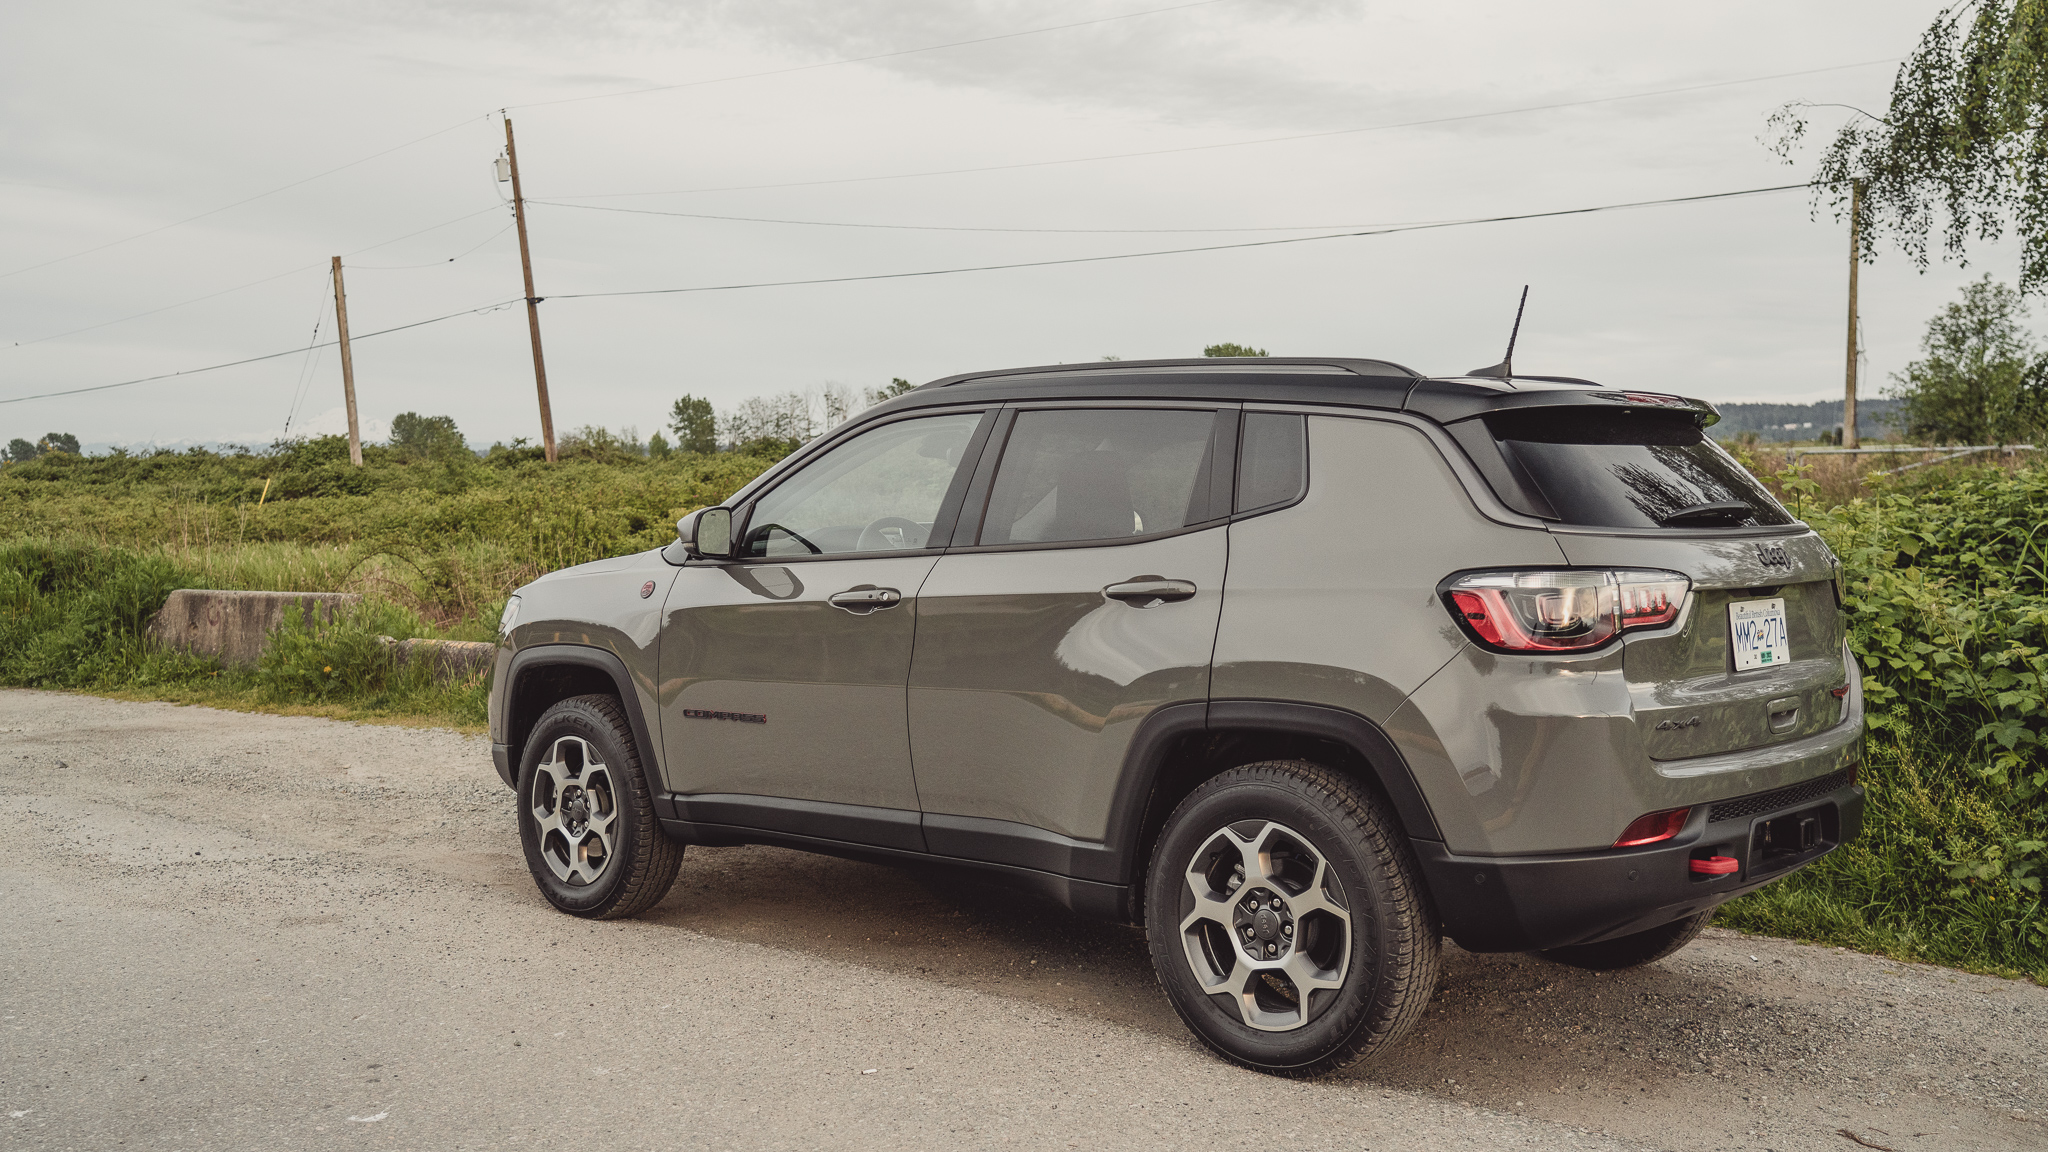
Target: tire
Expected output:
[1353,932]
[1633,950]
[581,794]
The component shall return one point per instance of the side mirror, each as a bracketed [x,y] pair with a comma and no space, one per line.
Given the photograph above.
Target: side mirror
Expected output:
[707,532]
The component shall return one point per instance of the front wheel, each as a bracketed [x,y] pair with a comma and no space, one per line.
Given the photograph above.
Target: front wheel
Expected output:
[586,820]
[1288,922]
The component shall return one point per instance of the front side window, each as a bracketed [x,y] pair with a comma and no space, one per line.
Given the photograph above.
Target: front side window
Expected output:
[1100,474]
[878,492]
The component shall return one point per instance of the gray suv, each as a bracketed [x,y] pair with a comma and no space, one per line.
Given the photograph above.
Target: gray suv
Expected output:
[1302,664]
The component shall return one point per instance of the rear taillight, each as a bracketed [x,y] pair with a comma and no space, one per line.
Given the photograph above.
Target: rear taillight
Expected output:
[1566,610]
[1652,828]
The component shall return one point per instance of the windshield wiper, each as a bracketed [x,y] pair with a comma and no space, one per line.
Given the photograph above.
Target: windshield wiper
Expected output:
[1723,514]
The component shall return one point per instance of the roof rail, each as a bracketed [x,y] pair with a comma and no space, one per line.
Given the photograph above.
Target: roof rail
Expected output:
[1244,365]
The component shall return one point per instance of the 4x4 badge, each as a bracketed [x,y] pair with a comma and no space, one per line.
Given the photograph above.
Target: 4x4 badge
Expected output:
[1675,725]
[1773,556]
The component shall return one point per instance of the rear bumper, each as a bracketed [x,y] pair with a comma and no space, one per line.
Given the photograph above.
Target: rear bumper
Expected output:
[1525,903]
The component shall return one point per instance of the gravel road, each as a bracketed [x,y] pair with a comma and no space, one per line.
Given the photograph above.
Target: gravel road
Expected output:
[240,931]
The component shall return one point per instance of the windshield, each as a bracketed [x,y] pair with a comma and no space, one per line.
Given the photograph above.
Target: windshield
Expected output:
[1632,469]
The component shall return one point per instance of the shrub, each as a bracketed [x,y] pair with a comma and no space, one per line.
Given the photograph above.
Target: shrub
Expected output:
[1946,590]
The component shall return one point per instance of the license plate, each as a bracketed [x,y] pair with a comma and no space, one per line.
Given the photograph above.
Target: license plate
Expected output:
[1756,631]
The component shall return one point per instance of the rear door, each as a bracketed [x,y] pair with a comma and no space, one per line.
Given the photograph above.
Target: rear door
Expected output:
[783,673]
[1082,594]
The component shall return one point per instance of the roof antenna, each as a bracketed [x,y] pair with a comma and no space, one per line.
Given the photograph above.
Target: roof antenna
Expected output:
[1506,368]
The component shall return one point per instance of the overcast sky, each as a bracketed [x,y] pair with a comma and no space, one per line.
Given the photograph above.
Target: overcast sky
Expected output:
[124,117]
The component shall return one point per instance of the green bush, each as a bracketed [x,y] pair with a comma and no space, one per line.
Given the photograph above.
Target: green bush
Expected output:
[353,660]
[1946,591]
[72,616]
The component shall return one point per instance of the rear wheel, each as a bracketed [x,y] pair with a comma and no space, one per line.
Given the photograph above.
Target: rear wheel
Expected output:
[586,819]
[1635,949]
[1288,923]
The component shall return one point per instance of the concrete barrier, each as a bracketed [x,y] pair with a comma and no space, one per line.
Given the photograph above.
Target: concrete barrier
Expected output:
[234,627]
[452,659]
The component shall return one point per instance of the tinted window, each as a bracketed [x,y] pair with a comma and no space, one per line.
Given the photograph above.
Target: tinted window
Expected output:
[1272,460]
[1099,474]
[878,492]
[1633,470]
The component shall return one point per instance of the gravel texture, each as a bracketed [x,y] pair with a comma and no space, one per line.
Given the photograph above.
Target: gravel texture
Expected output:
[242,931]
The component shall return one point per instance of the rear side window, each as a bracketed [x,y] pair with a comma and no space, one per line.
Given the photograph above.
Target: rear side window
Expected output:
[1632,469]
[1100,474]
[1272,460]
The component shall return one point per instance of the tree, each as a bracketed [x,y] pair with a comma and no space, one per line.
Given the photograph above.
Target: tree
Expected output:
[21,451]
[417,437]
[1965,137]
[897,387]
[840,404]
[695,425]
[657,446]
[58,442]
[1232,350]
[770,424]
[1981,380]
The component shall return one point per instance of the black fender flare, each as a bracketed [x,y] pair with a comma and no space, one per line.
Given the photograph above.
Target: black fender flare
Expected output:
[542,656]
[1160,731]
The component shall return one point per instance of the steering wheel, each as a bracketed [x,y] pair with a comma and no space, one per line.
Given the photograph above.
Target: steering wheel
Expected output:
[761,534]
[872,540]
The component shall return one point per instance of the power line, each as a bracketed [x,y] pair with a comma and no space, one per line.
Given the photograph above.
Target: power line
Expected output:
[945,272]
[1243,143]
[268,356]
[268,279]
[237,204]
[597,96]
[952,228]
[305,380]
[434,263]
[1183,251]
[865,59]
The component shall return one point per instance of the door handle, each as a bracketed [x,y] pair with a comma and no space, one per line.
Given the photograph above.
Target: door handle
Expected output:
[1150,591]
[864,600]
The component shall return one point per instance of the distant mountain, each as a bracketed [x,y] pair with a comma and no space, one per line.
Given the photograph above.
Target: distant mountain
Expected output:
[1803,421]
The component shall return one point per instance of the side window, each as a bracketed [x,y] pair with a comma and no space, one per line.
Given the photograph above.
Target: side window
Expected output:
[1100,474]
[1272,460]
[878,492]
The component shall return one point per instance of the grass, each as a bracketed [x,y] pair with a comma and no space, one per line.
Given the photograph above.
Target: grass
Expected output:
[89,548]
[1946,583]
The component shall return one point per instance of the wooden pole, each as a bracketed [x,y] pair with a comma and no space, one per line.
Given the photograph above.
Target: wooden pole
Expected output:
[1849,437]
[540,368]
[348,368]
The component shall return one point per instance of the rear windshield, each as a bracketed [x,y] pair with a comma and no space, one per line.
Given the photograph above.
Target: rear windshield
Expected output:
[1632,469]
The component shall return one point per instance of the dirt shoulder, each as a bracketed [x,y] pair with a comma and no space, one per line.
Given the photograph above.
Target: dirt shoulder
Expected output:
[250,927]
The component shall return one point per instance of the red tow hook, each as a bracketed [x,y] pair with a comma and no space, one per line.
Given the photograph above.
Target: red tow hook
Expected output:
[1716,866]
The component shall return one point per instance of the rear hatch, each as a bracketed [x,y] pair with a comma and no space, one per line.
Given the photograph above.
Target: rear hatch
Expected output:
[1756,657]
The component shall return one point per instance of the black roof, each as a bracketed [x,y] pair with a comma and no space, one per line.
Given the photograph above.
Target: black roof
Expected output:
[1347,381]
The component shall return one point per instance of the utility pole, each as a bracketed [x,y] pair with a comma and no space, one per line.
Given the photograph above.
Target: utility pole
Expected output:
[540,368]
[348,368]
[1849,438]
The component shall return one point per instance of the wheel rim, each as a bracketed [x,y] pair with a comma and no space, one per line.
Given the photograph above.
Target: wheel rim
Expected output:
[575,807]
[1267,929]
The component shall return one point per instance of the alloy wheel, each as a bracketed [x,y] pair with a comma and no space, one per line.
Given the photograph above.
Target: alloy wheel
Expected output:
[1268,929]
[575,803]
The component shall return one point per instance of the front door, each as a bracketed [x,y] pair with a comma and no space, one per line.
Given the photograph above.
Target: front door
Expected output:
[1088,599]
[783,672]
